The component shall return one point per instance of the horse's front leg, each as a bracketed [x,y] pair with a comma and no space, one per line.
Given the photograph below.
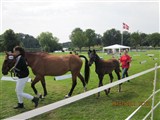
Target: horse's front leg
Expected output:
[100,83]
[36,79]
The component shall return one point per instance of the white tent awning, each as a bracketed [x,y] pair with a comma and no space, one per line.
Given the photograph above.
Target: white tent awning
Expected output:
[116,46]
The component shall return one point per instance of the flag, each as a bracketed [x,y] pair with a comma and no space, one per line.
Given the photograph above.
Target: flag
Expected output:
[125,26]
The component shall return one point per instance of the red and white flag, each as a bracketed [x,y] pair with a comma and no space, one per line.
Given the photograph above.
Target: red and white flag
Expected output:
[125,26]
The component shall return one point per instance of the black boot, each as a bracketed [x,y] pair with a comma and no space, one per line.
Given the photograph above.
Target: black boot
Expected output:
[35,100]
[20,105]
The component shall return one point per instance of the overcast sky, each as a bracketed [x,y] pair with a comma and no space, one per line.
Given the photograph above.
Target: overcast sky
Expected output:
[62,16]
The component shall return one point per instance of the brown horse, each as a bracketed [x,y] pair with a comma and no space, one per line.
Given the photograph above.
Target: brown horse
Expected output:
[44,64]
[103,67]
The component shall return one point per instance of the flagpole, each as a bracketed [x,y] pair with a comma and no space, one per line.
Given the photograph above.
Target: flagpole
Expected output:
[122,37]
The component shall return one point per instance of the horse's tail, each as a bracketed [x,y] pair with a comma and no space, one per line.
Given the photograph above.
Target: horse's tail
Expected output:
[86,70]
[117,65]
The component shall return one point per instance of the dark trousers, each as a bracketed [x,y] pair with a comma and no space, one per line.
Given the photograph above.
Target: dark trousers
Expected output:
[124,72]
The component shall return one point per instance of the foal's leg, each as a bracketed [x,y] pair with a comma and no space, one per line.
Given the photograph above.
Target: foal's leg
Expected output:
[119,77]
[44,86]
[83,82]
[100,83]
[111,79]
[74,83]
[36,79]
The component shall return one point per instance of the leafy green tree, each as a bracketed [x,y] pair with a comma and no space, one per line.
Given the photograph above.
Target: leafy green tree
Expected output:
[154,39]
[48,42]
[126,38]
[135,40]
[67,45]
[28,41]
[98,39]
[111,37]
[144,39]
[78,38]
[91,37]
[10,40]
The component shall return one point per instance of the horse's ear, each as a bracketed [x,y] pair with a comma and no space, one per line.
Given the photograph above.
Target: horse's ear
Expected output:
[89,51]
[6,52]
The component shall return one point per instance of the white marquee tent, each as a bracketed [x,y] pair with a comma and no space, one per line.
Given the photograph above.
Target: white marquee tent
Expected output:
[116,47]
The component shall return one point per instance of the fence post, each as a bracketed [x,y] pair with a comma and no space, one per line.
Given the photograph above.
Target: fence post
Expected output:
[154,88]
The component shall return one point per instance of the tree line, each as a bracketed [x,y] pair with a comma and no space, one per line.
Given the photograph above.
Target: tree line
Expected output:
[89,38]
[46,41]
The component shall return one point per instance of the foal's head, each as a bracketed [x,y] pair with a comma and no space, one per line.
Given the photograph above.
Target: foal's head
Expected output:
[93,57]
[8,63]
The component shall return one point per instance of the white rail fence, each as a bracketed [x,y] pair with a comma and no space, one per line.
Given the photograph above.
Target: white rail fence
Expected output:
[151,96]
[53,106]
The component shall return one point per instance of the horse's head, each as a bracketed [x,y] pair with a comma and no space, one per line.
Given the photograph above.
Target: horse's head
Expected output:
[93,57]
[8,63]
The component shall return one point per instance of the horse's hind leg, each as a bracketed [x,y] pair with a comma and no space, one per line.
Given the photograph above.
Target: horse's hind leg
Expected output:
[44,86]
[82,80]
[111,79]
[74,83]
[119,77]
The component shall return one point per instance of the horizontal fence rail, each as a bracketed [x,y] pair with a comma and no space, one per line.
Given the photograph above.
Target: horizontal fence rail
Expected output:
[47,108]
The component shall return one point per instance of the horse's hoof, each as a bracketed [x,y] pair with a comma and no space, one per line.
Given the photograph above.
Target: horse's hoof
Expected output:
[119,90]
[98,95]
[40,96]
[108,91]
[85,89]
[67,96]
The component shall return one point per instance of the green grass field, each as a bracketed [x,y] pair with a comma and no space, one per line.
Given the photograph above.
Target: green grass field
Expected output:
[116,106]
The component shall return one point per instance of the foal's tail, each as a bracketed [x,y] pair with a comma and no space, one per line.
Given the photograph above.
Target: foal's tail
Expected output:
[86,70]
[117,66]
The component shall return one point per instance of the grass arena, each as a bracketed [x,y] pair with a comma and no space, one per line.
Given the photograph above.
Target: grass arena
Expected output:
[116,106]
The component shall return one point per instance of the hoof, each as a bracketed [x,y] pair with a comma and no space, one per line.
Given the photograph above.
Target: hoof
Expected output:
[85,89]
[108,91]
[67,96]
[40,96]
[119,90]
[98,95]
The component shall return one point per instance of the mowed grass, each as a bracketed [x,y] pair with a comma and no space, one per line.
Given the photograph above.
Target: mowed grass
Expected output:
[116,106]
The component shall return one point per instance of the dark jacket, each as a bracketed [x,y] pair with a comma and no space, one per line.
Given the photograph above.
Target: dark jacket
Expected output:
[21,69]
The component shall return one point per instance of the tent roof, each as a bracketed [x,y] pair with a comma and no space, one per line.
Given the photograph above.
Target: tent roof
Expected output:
[116,46]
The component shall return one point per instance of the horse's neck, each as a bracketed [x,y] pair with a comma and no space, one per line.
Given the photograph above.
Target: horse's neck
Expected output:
[98,62]
[31,57]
